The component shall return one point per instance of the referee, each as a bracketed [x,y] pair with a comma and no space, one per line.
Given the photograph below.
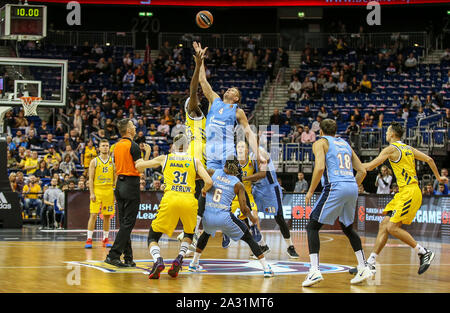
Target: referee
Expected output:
[127,193]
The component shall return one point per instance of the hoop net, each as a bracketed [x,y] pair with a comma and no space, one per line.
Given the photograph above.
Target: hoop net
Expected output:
[30,105]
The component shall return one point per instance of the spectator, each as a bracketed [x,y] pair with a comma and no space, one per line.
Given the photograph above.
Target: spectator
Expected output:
[178,128]
[11,162]
[297,135]
[289,119]
[415,103]
[43,129]
[52,156]
[428,190]
[336,115]
[296,85]
[366,84]
[81,185]
[329,86]
[141,127]
[307,113]
[391,69]
[323,113]
[280,182]
[140,138]
[405,113]
[43,171]
[129,78]
[31,164]
[301,185]
[142,186]
[354,86]
[12,181]
[163,128]
[31,193]
[308,136]
[367,122]
[383,181]
[353,132]
[21,121]
[156,185]
[10,144]
[72,154]
[394,189]
[444,173]
[315,127]
[33,140]
[442,190]
[411,62]
[48,142]
[127,61]
[341,85]
[52,196]
[67,166]
[89,152]
[60,129]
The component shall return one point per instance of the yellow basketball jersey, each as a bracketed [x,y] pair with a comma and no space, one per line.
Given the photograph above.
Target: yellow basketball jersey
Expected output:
[179,173]
[195,131]
[104,173]
[248,170]
[405,167]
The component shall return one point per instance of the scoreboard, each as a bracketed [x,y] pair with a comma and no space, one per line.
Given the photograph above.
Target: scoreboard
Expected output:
[23,22]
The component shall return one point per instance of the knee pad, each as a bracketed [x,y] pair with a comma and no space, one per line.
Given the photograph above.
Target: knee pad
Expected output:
[153,236]
[190,236]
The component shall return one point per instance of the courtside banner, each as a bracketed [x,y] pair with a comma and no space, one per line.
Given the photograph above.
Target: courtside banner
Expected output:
[432,219]
[247,3]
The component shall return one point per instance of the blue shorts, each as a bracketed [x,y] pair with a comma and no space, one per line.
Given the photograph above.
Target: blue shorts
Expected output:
[230,225]
[269,199]
[336,200]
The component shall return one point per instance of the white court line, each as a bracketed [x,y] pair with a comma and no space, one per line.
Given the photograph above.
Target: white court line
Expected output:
[14,238]
[328,240]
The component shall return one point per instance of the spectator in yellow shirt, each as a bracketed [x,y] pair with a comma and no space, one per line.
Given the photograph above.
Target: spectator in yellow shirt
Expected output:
[52,157]
[31,193]
[89,153]
[366,85]
[31,164]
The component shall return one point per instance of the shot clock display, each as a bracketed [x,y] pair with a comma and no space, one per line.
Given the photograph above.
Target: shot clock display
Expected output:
[23,22]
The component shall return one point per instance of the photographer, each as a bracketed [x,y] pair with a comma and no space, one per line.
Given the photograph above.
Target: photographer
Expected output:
[383,181]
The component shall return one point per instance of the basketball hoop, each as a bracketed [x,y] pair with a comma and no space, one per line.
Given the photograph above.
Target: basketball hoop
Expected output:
[30,104]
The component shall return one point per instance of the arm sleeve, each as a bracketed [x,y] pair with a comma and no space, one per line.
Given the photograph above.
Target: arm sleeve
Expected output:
[135,151]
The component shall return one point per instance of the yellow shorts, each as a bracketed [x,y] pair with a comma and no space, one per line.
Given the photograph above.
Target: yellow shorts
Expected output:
[235,205]
[173,207]
[104,202]
[405,204]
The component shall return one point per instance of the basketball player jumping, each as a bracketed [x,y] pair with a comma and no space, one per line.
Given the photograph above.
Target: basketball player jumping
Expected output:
[217,215]
[180,170]
[220,124]
[334,164]
[102,179]
[402,209]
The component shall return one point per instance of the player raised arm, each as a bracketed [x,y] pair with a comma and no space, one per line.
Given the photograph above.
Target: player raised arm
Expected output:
[239,190]
[319,167]
[193,99]
[359,167]
[206,87]
[91,178]
[156,162]
[429,160]
[388,152]
[204,175]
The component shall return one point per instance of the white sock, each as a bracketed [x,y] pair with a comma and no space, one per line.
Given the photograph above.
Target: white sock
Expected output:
[420,249]
[155,252]
[264,264]
[361,258]
[89,234]
[196,257]
[262,242]
[105,234]
[183,248]
[289,242]
[372,258]
[250,222]
[199,219]
[314,258]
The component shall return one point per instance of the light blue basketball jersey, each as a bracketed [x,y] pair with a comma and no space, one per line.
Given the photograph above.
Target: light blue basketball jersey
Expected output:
[220,196]
[339,167]
[220,124]
[270,179]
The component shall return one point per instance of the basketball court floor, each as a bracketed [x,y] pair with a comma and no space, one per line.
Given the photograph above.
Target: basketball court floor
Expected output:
[33,261]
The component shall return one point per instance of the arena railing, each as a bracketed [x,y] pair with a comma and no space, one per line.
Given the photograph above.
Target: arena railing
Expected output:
[78,38]
[218,41]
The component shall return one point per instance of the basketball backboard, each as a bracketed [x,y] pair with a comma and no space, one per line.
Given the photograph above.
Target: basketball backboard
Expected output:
[45,78]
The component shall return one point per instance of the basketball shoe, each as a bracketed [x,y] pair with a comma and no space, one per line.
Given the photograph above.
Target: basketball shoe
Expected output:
[292,253]
[268,272]
[177,264]
[265,249]
[157,268]
[194,267]
[225,241]
[363,274]
[106,243]
[425,261]
[88,244]
[312,278]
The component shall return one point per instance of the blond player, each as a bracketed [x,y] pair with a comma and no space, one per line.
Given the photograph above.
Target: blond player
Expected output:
[102,181]
[180,170]
[403,207]
[248,169]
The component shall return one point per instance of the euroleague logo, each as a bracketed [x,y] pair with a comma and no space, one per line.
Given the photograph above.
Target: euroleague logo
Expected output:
[361,214]
[220,267]
[299,212]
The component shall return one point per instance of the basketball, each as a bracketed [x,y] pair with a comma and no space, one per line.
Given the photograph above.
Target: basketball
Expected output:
[204,19]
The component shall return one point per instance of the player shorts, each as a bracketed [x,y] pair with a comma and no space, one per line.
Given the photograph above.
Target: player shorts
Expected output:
[235,206]
[176,206]
[104,202]
[269,199]
[405,204]
[336,200]
[225,221]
